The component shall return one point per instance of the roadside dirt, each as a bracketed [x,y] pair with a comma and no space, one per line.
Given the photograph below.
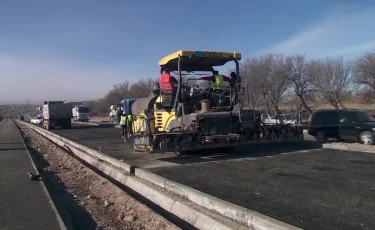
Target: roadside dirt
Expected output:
[355,144]
[92,202]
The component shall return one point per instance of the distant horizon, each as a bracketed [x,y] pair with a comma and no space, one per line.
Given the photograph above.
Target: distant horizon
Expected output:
[38,104]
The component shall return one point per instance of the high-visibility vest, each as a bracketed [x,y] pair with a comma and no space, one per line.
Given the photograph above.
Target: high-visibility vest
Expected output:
[123,120]
[219,81]
[129,118]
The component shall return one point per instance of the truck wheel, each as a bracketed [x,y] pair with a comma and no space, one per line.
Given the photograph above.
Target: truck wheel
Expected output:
[366,137]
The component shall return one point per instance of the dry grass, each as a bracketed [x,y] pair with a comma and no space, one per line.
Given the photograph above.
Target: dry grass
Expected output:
[315,107]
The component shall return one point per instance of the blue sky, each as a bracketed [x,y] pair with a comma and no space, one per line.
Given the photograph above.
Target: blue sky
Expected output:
[77,50]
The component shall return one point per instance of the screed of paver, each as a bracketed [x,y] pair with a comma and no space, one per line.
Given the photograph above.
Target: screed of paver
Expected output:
[325,189]
[92,201]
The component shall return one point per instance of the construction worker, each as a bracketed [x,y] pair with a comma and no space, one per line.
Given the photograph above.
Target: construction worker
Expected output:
[129,123]
[217,79]
[123,124]
[167,82]
[118,113]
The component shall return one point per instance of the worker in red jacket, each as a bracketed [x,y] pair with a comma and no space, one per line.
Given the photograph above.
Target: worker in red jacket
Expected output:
[167,82]
[217,79]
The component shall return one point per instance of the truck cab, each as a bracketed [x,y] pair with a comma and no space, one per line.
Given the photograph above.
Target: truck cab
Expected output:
[81,113]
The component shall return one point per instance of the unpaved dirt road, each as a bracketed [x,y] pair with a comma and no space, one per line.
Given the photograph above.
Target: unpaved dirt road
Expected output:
[88,200]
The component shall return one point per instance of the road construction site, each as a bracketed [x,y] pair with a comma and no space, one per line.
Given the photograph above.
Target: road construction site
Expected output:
[299,183]
[205,158]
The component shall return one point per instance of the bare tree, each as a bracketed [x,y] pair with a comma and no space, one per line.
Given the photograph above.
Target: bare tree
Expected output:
[299,78]
[257,70]
[267,77]
[364,70]
[278,80]
[120,91]
[331,78]
[142,88]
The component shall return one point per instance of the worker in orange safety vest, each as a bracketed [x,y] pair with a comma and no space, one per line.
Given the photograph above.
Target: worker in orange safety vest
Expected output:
[167,82]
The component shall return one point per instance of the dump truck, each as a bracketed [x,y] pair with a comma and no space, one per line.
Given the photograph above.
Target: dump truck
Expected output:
[57,113]
[186,118]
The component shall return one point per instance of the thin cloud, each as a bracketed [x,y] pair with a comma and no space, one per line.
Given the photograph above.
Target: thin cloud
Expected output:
[355,49]
[342,31]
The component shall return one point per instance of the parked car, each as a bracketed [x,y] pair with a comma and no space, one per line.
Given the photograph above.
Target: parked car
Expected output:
[344,125]
[281,118]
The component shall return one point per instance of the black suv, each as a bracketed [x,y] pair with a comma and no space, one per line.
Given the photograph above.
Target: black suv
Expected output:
[351,125]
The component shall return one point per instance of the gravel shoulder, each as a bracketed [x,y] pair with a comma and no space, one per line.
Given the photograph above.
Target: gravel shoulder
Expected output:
[85,199]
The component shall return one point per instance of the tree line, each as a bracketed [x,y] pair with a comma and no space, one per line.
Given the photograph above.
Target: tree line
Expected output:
[139,89]
[275,79]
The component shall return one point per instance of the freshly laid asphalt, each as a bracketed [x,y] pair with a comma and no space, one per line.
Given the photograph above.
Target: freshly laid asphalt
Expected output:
[317,189]
[108,139]
[300,184]
[23,203]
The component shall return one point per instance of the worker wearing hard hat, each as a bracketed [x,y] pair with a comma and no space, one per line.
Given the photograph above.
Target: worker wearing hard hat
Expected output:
[123,124]
[129,123]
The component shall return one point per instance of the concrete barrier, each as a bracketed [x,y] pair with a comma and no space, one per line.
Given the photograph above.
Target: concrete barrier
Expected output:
[194,217]
[64,142]
[244,216]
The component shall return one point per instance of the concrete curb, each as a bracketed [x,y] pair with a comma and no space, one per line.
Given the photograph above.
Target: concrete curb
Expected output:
[165,201]
[245,216]
[358,148]
[62,224]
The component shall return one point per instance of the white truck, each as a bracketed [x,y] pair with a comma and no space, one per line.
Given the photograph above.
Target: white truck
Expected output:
[57,113]
[81,113]
[113,114]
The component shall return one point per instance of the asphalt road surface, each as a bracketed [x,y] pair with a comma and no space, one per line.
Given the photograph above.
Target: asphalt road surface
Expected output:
[23,203]
[314,189]
[108,139]
[300,184]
